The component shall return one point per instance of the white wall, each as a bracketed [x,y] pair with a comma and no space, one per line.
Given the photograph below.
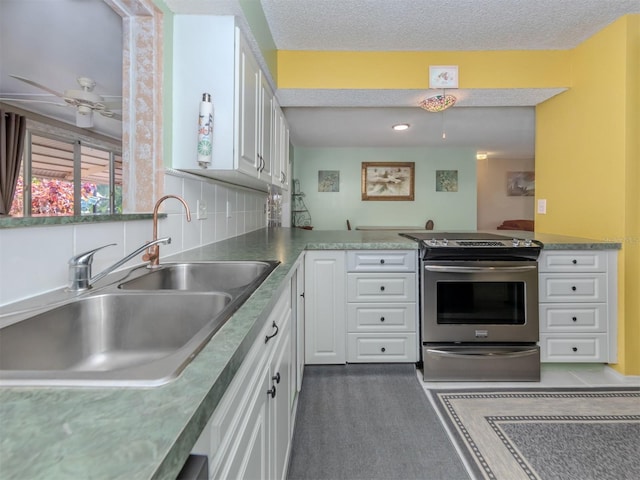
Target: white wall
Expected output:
[330,210]
[33,260]
[494,206]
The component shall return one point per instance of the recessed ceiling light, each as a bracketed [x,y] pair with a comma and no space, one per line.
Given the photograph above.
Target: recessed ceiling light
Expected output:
[401,126]
[481,156]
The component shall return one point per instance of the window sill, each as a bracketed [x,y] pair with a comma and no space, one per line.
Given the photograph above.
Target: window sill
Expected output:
[20,222]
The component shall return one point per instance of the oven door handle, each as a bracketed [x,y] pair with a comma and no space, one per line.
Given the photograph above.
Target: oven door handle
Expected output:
[456,269]
[480,353]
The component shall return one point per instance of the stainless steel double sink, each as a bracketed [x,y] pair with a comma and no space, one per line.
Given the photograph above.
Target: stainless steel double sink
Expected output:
[139,332]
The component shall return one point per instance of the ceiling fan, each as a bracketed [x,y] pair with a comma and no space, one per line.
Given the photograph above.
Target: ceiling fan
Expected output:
[84,100]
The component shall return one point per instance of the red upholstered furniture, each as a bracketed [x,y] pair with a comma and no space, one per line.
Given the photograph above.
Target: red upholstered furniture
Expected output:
[526,225]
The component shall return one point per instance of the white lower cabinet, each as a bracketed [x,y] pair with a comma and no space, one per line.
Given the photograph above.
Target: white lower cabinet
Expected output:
[249,434]
[325,300]
[382,317]
[578,305]
[361,306]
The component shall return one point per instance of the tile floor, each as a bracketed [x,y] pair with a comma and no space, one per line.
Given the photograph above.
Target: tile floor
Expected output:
[553,375]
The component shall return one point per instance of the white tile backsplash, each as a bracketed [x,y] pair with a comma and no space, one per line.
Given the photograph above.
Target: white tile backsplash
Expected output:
[33,260]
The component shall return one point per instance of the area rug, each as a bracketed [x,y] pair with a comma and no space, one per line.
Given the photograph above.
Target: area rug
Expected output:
[545,434]
[369,422]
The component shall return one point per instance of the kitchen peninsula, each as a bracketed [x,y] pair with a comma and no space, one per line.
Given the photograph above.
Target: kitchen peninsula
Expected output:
[144,433]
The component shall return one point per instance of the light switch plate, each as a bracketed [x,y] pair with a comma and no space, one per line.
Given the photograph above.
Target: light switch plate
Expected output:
[542,206]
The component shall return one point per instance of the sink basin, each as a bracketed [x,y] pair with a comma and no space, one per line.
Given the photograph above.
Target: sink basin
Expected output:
[142,332]
[202,276]
[112,338]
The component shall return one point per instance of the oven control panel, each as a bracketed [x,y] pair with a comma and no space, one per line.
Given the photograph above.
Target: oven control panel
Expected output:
[444,242]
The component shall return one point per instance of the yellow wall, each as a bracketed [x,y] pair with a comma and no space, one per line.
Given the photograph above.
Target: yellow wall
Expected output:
[586,163]
[632,207]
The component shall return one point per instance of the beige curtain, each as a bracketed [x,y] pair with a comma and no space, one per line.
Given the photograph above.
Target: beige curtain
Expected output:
[12,132]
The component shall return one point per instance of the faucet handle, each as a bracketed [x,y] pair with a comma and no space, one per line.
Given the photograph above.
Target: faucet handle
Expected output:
[87,257]
[80,269]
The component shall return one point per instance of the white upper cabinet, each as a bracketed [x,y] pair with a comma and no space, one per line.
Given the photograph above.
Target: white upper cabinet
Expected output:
[212,56]
[280,158]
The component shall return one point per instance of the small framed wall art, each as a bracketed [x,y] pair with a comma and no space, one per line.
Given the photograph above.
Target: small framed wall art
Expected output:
[446,180]
[328,180]
[388,180]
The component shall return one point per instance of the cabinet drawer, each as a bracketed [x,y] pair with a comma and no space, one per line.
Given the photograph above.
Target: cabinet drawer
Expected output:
[573,348]
[575,318]
[556,287]
[387,287]
[573,261]
[382,261]
[381,347]
[374,317]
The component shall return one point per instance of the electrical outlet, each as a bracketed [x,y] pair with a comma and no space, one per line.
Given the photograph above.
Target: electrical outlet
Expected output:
[202,209]
[542,206]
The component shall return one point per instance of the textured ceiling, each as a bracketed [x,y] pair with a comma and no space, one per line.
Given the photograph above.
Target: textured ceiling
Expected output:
[439,24]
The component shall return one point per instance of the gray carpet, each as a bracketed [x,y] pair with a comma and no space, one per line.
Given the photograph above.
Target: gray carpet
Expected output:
[369,421]
[546,434]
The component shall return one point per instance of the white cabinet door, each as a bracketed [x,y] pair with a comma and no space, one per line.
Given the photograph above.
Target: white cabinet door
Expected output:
[299,318]
[280,401]
[280,149]
[325,300]
[248,94]
[250,454]
[265,131]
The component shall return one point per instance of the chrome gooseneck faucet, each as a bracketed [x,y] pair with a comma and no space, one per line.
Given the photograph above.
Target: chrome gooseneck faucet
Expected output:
[80,278]
[153,252]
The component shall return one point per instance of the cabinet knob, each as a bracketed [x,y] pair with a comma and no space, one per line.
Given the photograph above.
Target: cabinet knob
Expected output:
[383,349]
[574,261]
[276,377]
[382,319]
[272,392]
[575,349]
[575,319]
[573,288]
[382,261]
[382,288]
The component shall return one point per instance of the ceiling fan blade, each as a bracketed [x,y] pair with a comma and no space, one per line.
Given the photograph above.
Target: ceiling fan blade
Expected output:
[26,100]
[110,114]
[112,105]
[37,85]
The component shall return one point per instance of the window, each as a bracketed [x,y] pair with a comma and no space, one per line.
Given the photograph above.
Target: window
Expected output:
[66,176]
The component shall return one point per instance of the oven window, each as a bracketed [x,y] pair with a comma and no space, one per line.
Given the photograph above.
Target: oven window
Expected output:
[481,303]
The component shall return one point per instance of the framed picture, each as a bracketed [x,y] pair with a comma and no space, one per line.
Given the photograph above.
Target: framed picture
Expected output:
[328,180]
[388,181]
[446,180]
[521,184]
[443,76]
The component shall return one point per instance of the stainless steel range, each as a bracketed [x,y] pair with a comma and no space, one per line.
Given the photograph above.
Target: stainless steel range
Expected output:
[479,306]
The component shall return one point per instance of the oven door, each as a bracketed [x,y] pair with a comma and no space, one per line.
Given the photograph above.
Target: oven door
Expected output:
[480,301]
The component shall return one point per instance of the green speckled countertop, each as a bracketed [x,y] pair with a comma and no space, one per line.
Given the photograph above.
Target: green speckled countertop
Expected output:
[144,433]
